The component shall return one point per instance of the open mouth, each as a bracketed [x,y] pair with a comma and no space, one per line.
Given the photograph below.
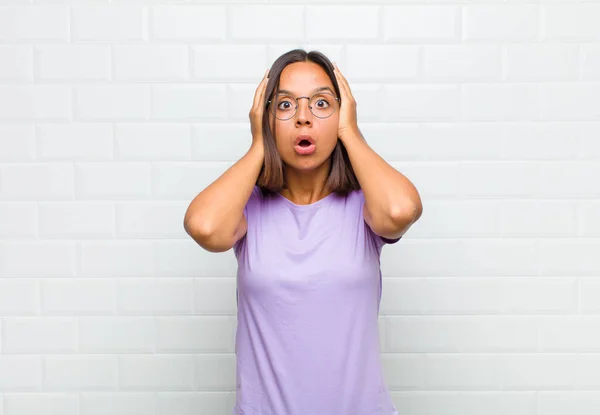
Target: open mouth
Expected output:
[304,146]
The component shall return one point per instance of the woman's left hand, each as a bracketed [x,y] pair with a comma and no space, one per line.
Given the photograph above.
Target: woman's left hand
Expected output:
[348,121]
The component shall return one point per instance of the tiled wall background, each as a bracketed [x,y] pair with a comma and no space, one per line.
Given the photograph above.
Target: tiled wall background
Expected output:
[114,115]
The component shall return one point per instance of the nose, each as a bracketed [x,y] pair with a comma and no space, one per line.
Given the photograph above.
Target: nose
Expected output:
[303,115]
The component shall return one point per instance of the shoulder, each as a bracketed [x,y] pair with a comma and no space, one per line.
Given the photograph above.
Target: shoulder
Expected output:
[254,200]
[358,197]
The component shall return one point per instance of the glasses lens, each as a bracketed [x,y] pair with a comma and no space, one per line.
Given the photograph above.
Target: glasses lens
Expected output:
[284,107]
[322,105]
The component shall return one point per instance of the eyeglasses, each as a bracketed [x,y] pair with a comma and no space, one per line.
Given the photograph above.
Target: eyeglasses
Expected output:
[321,105]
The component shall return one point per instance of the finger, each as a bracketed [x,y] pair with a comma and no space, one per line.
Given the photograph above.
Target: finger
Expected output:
[258,96]
[344,80]
[342,85]
[262,100]
[345,90]
[339,75]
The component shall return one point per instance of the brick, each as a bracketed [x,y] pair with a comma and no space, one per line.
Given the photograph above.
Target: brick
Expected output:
[17,63]
[112,181]
[73,63]
[80,372]
[34,23]
[191,262]
[465,334]
[19,297]
[571,257]
[17,142]
[39,102]
[569,101]
[78,297]
[121,258]
[467,63]
[159,220]
[502,22]
[563,402]
[20,373]
[215,296]
[342,23]
[196,335]
[542,62]
[18,220]
[572,22]
[156,372]
[37,259]
[190,102]
[108,23]
[188,23]
[420,102]
[222,62]
[590,61]
[40,335]
[381,62]
[117,334]
[140,63]
[74,142]
[76,220]
[109,102]
[41,404]
[214,372]
[121,403]
[421,23]
[53,181]
[500,102]
[150,296]
[148,142]
[274,23]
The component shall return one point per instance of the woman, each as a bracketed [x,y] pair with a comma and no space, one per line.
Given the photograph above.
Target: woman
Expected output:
[307,210]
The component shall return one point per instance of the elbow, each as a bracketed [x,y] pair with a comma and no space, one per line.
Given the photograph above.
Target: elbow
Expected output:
[202,233]
[410,212]
[404,216]
[196,227]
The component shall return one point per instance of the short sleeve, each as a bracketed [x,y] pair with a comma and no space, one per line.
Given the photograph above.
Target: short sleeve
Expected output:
[379,240]
[253,201]
[250,211]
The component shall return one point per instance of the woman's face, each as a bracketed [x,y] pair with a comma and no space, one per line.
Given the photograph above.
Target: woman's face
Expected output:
[302,79]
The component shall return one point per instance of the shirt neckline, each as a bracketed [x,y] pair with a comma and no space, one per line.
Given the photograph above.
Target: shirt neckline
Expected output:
[310,206]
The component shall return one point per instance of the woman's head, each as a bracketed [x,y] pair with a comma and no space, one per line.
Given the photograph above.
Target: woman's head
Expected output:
[295,78]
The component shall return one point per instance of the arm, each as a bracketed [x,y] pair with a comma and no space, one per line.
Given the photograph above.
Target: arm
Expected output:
[392,203]
[215,218]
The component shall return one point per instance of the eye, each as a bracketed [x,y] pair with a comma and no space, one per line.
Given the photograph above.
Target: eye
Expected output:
[281,104]
[322,101]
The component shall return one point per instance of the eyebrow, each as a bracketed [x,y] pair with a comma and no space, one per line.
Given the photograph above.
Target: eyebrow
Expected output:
[321,88]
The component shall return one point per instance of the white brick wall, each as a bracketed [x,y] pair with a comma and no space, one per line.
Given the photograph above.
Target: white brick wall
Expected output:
[115,114]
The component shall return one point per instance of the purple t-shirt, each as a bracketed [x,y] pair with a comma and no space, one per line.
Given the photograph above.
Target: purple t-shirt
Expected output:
[308,295]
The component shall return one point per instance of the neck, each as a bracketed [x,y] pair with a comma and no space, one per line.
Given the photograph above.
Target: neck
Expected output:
[305,187]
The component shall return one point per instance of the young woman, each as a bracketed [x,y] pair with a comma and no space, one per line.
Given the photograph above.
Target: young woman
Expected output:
[307,210]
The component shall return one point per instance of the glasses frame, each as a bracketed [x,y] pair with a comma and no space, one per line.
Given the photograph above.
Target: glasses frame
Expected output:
[309,107]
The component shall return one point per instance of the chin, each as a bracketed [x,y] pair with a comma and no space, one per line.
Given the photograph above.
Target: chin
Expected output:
[307,164]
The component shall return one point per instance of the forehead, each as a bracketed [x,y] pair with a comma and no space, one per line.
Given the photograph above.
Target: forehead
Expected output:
[303,78]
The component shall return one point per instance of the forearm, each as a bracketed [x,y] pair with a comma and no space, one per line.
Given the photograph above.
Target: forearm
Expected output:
[392,200]
[219,207]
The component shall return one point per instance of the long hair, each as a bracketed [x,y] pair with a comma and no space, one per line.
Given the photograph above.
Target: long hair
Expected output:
[341,178]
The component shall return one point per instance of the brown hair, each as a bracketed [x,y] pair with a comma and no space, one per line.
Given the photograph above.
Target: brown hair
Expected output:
[341,178]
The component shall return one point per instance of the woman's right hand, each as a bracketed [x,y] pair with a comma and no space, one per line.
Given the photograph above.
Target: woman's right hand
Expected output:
[257,111]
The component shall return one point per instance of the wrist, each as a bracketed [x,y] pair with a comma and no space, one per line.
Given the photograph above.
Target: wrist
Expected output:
[257,148]
[351,134]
